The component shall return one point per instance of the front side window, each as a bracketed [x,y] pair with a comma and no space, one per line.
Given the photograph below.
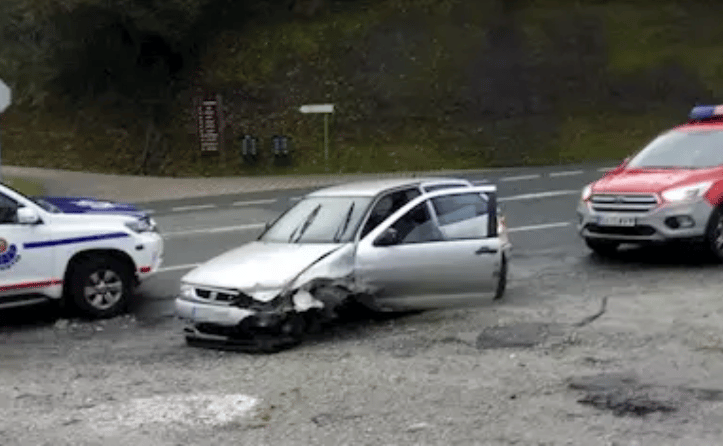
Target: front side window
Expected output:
[388,205]
[8,210]
[693,149]
[462,216]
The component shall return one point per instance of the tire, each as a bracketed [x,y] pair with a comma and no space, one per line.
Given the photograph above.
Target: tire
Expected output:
[714,234]
[502,281]
[100,287]
[602,247]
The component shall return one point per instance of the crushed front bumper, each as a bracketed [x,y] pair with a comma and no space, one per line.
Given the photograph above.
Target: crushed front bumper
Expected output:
[228,325]
[666,222]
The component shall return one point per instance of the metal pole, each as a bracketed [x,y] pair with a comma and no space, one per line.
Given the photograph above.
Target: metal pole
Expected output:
[326,140]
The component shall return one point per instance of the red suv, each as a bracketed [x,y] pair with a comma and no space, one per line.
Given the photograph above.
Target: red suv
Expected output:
[670,190]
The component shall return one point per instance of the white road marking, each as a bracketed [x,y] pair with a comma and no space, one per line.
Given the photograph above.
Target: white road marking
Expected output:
[254,202]
[520,177]
[605,169]
[540,195]
[174,268]
[193,207]
[539,227]
[295,199]
[194,409]
[565,173]
[254,226]
[149,211]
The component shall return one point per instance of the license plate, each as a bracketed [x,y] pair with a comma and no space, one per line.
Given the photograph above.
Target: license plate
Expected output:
[206,314]
[616,221]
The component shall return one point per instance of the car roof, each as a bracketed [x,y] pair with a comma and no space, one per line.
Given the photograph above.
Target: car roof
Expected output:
[371,188]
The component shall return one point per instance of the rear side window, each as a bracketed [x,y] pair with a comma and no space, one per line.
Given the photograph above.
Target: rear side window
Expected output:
[462,216]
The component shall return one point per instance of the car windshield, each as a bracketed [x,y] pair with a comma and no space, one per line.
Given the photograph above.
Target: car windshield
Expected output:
[49,207]
[677,149]
[319,220]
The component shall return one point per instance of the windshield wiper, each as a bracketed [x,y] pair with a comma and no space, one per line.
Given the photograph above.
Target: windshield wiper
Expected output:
[340,232]
[305,225]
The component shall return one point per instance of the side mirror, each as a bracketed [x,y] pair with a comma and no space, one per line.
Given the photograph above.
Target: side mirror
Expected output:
[28,216]
[390,236]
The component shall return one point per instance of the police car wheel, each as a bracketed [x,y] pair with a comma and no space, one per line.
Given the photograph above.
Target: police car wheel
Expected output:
[714,234]
[100,287]
[602,247]
[502,281]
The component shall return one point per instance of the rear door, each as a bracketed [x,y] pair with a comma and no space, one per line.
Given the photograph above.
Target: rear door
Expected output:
[445,252]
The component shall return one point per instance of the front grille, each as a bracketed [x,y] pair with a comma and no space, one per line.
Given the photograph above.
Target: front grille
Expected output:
[623,203]
[639,230]
[225,296]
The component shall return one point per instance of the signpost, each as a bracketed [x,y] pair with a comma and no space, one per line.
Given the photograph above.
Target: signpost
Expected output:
[210,123]
[5,100]
[326,109]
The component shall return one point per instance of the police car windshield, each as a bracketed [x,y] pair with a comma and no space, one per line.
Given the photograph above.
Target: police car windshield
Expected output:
[319,220]
[682,149]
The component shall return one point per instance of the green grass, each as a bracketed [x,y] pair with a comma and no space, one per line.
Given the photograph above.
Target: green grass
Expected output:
[25,186]
[639,36]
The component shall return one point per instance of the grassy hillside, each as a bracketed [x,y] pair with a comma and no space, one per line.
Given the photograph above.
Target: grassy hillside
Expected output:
[418,84]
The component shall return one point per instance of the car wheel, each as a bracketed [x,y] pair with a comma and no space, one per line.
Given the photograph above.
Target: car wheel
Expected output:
[714,234]
[502,280]
[100,287]
[602,247]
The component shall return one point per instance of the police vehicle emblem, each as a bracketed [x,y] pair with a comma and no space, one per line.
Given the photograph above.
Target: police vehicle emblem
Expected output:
[8,254]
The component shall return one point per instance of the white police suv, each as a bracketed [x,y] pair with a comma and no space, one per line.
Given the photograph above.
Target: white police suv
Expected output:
[91,253]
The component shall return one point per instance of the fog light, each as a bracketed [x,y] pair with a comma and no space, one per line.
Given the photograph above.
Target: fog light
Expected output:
[686,221]
[679,222]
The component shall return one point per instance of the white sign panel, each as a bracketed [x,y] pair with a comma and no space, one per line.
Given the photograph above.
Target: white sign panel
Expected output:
[317,108]
[5,96]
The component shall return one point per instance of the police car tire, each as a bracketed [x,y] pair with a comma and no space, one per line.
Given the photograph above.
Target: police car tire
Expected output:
[713,233]
[502,281]
[602,247]
[82,272]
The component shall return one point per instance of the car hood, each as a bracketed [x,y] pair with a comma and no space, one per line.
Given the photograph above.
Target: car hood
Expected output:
[650,180]
[88,205]
[259,267]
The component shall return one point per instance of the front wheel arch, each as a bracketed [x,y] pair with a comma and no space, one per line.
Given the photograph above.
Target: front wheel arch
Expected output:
[85,256]
[714,233]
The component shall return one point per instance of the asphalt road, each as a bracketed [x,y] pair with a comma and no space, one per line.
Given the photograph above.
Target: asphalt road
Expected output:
[539,205]
[582,350]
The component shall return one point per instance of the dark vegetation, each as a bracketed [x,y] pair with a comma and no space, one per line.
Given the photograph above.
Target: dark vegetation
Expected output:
[418,84]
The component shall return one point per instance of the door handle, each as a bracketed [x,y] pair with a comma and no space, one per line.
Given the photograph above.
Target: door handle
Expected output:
[485,250]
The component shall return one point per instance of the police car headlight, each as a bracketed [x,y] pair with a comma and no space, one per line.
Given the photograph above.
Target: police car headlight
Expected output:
[687,193]
[586,192]
[142,225]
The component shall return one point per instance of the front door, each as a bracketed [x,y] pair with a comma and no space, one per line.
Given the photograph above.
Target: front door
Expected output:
[22,271]
[439,250]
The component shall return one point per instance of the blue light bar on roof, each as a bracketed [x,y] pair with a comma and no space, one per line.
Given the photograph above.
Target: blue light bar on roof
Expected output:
[704,112]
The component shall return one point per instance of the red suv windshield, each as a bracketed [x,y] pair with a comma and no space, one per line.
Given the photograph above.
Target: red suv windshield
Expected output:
[682,149]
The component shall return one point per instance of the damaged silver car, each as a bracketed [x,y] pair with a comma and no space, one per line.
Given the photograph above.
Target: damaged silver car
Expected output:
[386,245]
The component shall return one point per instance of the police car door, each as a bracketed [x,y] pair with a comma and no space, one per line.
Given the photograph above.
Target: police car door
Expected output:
[22,271]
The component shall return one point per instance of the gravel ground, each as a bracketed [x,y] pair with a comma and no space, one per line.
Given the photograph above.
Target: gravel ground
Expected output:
[553,363]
